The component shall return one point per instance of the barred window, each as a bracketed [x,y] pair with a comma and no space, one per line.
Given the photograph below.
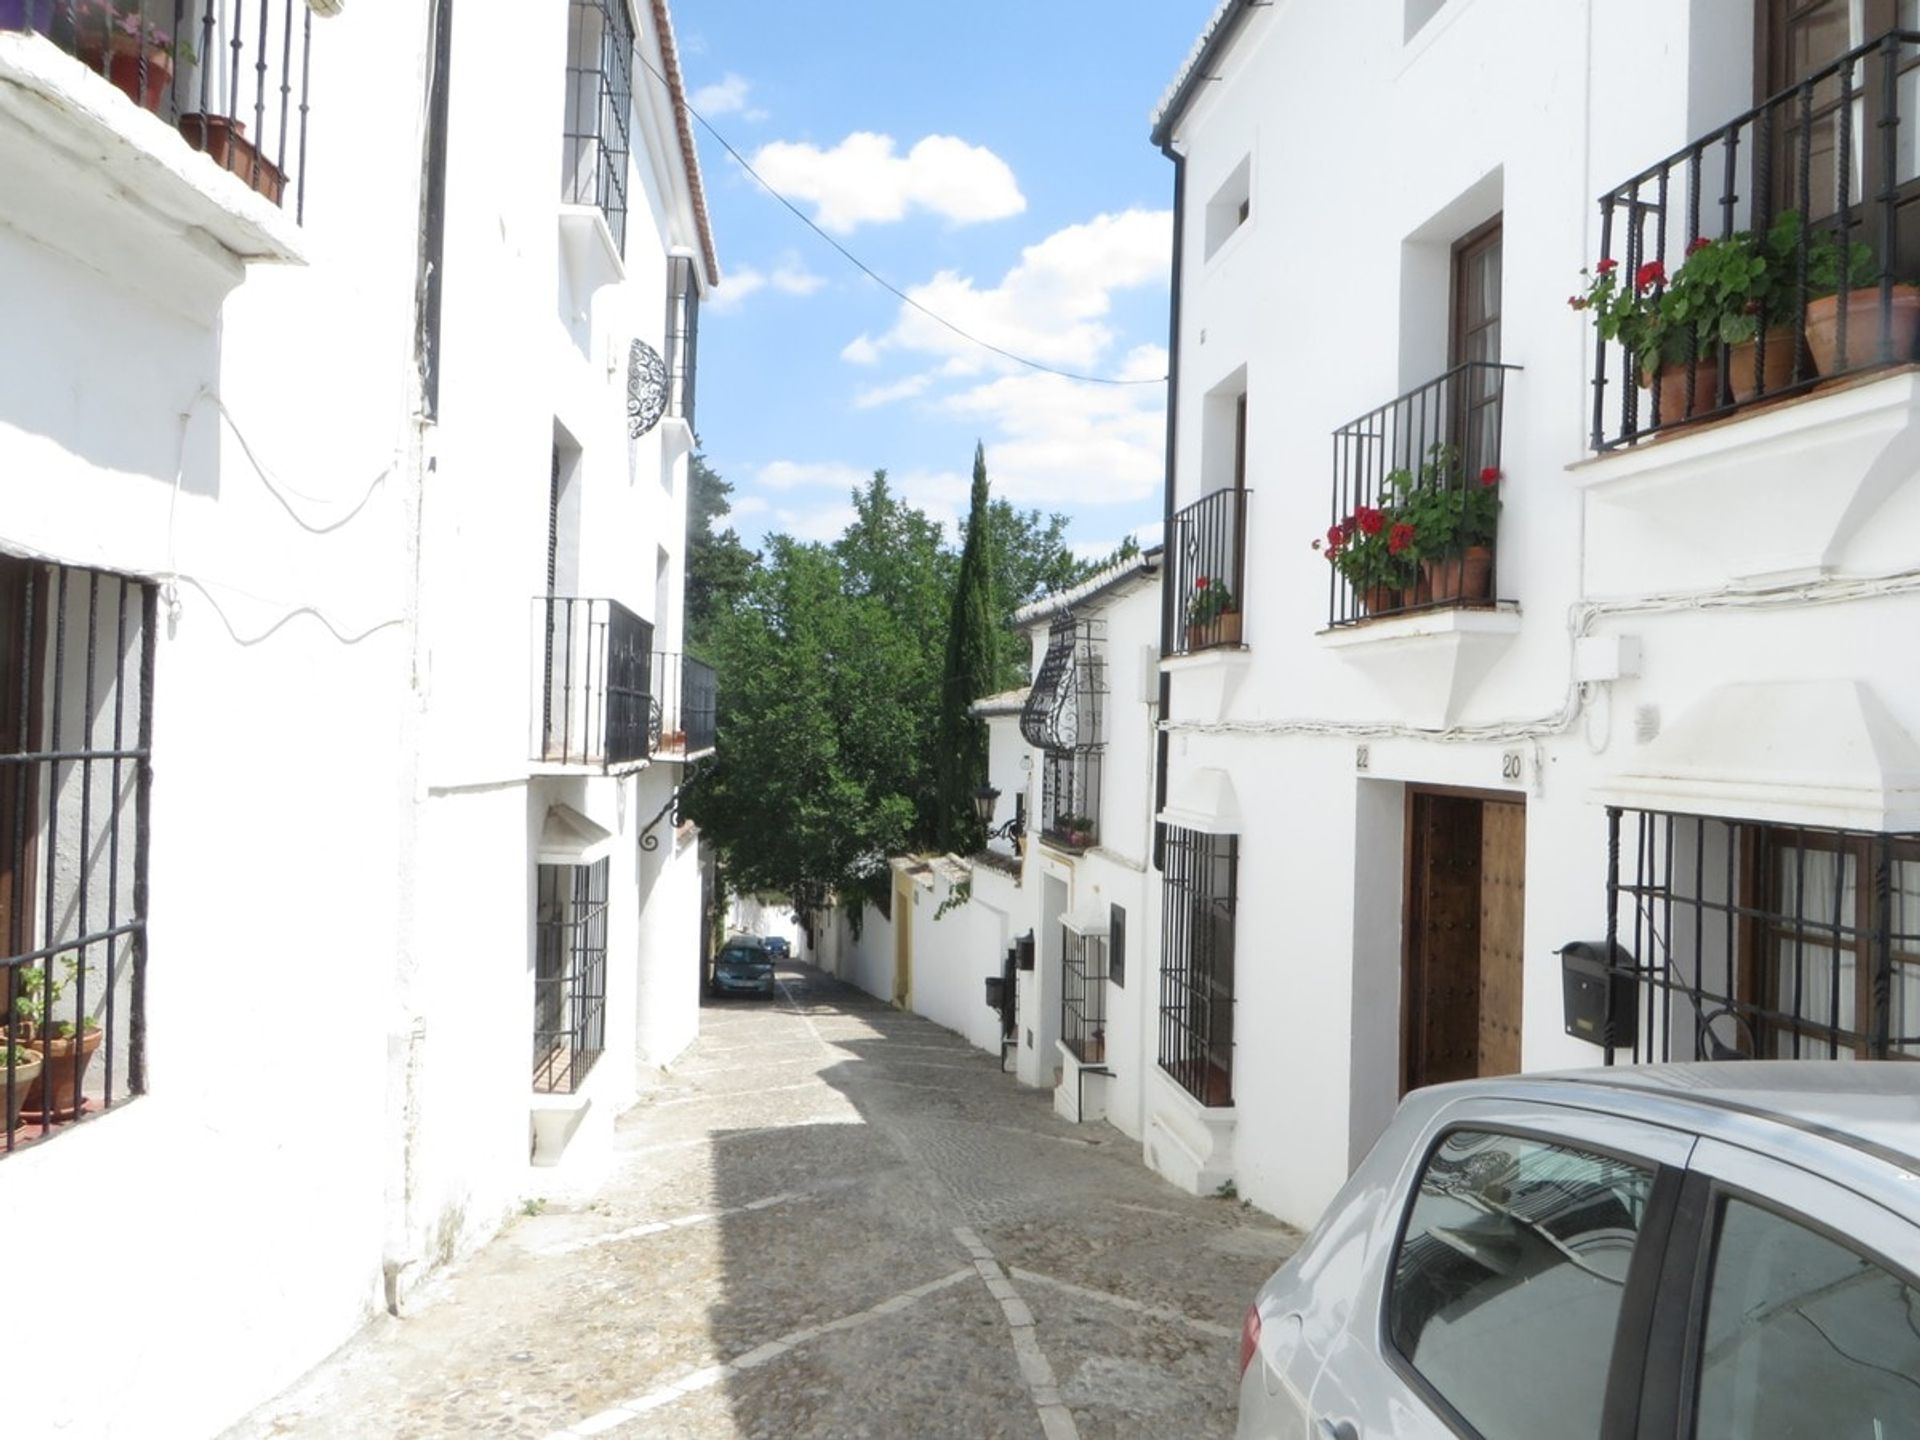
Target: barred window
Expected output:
[683,335]
[1083,996]
[599,102]
[1782,942]
[569,975]
[1196,967]
[1070,797]
[76,723]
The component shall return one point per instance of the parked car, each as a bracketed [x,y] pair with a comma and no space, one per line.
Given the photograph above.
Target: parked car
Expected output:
[743,967]
[1709,1250]
[778,947]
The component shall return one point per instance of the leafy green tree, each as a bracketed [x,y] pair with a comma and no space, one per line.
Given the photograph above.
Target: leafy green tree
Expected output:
[972,668]
[719,567]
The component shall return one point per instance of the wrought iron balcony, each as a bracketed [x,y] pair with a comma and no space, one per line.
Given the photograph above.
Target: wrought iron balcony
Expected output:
[685,700]
[591,660]
[1207,569]
[594,136]
[1818,185]
[230,75]
[1415,492]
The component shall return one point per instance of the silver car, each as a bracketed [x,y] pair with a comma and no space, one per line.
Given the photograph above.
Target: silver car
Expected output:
[1728,1250]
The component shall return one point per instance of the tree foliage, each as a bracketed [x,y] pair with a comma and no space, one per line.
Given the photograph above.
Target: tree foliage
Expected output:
[971,670]
[719,567]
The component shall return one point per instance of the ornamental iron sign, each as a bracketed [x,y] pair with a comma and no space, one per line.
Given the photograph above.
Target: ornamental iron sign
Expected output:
[646,389]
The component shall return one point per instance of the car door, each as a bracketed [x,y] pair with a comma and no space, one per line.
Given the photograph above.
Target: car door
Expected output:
[1790,1304]
[1526,1236]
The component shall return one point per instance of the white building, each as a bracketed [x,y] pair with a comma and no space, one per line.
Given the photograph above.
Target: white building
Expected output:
[1674,716]
[291,458]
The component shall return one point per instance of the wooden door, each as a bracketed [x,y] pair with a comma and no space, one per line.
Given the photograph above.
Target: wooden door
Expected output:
[902,941]
[1503,910]
[1441,1035]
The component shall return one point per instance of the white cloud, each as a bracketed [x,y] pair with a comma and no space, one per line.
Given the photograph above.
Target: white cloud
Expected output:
[1055,441]
[860,351]
[789,277]
[876,395]
[1053,306]
[862,181]
[793,474]
[822,522]
[727,97]
[747,505]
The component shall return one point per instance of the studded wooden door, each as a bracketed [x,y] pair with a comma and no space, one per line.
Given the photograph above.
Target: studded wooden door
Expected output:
[1441,1039]
[1503,910]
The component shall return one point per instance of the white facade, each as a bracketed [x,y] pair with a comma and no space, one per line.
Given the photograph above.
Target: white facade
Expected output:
[1644,652]
[214,404]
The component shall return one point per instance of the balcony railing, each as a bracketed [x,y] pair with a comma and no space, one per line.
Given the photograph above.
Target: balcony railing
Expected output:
[230,75]
[1070,798]
[1415,492]
[685,699]
[1818,185]
[1208,544]
[590,662]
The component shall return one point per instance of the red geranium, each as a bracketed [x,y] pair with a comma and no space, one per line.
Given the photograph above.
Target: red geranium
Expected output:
[1700,242]
[1607,266]
[1368,519]
[1649,275]
[1201,583]
[1336,537]
[1490,476]
[1399,538]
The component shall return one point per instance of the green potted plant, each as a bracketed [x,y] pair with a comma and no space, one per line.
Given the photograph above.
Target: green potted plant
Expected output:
[1076,830]
[26,1065]
[1213,617]
[113,36]
[1824,262]
[66,1046]
[1373,550]
[1665,353]
[1728,290]
[1453,523]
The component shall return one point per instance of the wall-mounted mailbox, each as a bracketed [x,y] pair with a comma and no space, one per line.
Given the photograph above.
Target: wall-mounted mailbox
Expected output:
[1024,945]
[996,992]
[1599,993]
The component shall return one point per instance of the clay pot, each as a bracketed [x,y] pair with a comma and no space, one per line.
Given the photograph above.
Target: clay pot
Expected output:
[1671,385]
[1377,599]
[1863,328]
[121,57]
[26,1076]
[57,1081]
[1466,576]
[225,142]
[1222,629]
[1746,375]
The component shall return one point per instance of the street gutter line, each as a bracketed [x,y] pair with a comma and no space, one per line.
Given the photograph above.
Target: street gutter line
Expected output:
[682,1222]
[616,1416]
[1121,1302]
[1055,1419]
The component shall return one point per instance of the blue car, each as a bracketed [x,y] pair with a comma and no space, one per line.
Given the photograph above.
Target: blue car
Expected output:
[743,967]
[778,947]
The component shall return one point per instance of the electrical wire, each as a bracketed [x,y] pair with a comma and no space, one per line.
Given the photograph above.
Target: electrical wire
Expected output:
[868,271]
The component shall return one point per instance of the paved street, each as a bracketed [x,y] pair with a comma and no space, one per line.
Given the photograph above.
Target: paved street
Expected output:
[832,1219]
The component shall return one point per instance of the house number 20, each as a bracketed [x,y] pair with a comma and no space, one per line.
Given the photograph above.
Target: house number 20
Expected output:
[1513,766]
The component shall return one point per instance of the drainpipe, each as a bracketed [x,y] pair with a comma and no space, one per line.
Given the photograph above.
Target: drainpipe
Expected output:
[1166,534]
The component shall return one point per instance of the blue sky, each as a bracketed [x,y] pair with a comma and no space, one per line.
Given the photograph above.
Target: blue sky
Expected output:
[989,158]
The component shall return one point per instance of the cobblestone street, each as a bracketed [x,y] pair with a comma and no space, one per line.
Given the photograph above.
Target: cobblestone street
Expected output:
[832,1219]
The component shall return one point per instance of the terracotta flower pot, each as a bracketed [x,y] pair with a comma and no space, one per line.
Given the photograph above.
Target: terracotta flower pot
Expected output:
[1221,629]
[26,1076]
[225,143]
[57,1082]
[1377,599]
[1863,328]
[120,60]
[1466,576]
[1749,378]
[1671,386]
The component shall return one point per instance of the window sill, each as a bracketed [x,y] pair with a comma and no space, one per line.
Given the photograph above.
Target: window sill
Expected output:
[1429,662]
[92,175]
[1188,1143]
[1860,438]
[587,249]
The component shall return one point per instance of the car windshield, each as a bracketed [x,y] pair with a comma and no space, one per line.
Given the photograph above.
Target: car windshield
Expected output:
[741,955]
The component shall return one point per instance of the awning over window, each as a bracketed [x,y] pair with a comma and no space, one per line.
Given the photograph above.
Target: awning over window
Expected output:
[570,838]
[1087,919]
[1204,801]
[1816,752]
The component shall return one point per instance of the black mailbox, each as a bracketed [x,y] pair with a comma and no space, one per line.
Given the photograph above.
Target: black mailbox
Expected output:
[1024,945]
[1599,993]
[996,992]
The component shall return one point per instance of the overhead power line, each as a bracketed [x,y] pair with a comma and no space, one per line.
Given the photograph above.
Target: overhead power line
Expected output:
[880,280]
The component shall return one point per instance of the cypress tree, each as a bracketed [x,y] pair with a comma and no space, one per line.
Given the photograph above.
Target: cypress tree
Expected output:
[972,662]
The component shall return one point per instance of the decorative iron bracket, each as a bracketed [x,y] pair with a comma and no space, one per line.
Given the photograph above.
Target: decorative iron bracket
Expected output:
[669,811]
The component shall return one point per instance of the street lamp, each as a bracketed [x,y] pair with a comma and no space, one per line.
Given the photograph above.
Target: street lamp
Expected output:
[984,799]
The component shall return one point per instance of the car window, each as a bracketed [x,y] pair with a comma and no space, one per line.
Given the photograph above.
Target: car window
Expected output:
[1804,1336]
[1507,1285]
[742,955]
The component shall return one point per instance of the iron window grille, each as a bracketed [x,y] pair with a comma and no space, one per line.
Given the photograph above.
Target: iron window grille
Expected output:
[592,672]
[683,704]
[1196,966]
[569,975]
[1761,941]
[1443,435]
[1208,572]
[230,75]
[76,727]
[595,138]
[1083,996]
[1834,151]
[683,335]
[1062,717]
